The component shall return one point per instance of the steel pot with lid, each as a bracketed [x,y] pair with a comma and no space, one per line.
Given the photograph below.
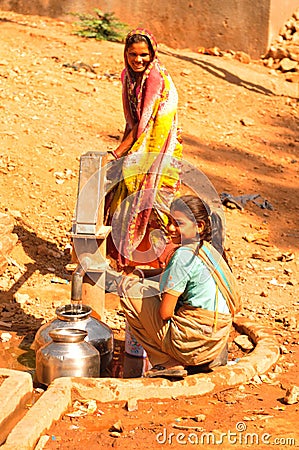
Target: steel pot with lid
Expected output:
[79,317]
[66,355]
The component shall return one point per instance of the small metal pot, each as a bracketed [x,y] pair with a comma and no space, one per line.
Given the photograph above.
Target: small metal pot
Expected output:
[67,355]
[98,333]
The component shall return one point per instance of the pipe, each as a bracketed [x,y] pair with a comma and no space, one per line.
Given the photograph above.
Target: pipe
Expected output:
[77,280]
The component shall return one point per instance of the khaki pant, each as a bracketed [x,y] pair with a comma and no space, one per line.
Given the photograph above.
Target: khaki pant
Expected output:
[141,305]
[190,337]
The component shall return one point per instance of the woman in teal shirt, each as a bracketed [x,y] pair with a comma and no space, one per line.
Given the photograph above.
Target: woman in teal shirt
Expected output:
[188,277]
[188,321]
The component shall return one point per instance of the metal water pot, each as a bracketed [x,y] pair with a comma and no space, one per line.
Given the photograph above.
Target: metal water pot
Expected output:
[66,355]
[98,333]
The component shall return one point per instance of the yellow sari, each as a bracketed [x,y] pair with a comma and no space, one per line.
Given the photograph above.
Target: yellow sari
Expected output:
[150,171]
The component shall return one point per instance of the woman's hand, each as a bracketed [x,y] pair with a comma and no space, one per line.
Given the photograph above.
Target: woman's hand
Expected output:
[127,142]
[111,156]
[126,283]
[168,305]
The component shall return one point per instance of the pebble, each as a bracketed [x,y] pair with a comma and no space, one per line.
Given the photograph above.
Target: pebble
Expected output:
[283,350]
[292,395]
[5,337]
[21,298]
[117,427]
[243,342]
[132,404]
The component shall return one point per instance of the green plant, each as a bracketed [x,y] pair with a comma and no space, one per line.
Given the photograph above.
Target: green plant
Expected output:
[103,26]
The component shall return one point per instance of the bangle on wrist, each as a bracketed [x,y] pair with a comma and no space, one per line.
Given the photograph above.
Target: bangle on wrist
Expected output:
[113,153]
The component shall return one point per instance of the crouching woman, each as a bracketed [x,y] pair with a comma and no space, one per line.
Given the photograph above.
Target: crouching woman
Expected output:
[187,320]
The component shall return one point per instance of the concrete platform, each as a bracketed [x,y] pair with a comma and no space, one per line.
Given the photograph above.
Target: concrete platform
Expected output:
[59,395]
[15,391]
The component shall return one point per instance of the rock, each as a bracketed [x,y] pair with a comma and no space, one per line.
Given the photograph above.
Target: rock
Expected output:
[269,62]
[6,224]
[115,434]
[5,337]
[242,57]
[277,53]
[253,237]
[278,369]
[295,40]
[132,404]
[283,350]
[21,298]
[186,72]
[213,51]
[3,266]
[7,240]
[286,256]
[16,214]
[256,379]
[292,322]
[264,294]
[117,427]
[200,418]
[267,378]
[292,395]
[285,47]
[247,122]
[244,343]
[286,65]
[7,243]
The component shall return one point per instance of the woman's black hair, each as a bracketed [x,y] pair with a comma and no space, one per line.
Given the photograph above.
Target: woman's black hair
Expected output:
[199,211]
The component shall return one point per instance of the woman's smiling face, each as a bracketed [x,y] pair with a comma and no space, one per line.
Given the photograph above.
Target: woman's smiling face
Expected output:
[181,228]
[138,56]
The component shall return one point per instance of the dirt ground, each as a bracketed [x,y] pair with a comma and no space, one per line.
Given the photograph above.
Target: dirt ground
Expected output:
[238,131]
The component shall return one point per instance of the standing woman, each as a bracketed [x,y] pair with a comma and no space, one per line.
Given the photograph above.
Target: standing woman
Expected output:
[149,154]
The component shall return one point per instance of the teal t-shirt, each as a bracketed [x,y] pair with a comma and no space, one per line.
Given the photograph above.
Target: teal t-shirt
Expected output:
[188,276]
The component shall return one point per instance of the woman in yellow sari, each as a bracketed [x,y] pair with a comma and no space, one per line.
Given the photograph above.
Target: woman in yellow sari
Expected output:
[149,155]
